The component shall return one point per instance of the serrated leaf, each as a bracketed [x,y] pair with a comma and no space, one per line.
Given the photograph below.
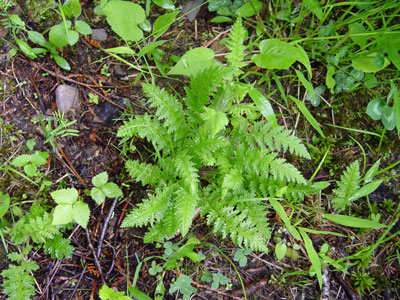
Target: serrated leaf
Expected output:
[97,195]
[280,250]
[83,27]
[215,121]
[107,293]
[121,13]
[100,179]
[21,160]
[30,170]
[353,221]
[62,215]
[65,196]
[37,159]
[111,190]
[375,108]
[81,213]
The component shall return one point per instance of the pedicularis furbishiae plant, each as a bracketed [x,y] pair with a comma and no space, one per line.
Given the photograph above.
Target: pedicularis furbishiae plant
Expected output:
[212,151]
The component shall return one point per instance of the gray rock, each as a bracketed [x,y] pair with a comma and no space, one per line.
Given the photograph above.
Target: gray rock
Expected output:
[67,99]
[99,35]
[192,8]
[106,113]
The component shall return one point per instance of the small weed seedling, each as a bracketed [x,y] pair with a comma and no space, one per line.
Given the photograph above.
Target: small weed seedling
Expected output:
[103,188]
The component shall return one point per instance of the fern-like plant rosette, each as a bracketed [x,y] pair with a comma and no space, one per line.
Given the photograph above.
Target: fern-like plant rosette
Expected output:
[209,155]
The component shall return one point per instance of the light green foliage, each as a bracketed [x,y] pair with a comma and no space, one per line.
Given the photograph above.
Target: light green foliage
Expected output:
[121,13]
[183,285]
[348,184]
[69,208]
[107,293]
[30,162]
[103,188]
[58,247]
[163,22]
[4,204]
[238,154]
[280,250]
[236,46]
[362,281]
[18,283]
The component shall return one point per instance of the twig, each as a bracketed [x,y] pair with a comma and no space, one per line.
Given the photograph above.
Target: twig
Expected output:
[107,220]
[96,261]
[78,283]
[68,162]
[56,267]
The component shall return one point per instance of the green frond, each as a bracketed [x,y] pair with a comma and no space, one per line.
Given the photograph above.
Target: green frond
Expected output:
[164,229]
[40,228]
[146,128]
[185,205]
[145,173]
[169,109]
[214,121]
[149,210]
[59,247]
[187,172]
[348,184]
[205,148]
[282,170]
[236,45]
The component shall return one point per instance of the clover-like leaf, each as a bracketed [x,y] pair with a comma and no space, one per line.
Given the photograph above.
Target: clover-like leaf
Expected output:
[375,108]
[97,195]
[62,215]
[30,170]
[65,196]
[81,213]
[100,179]
[123,17]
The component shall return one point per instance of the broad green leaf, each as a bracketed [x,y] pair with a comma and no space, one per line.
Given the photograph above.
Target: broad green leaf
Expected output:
[138,294]
[120,50]
[148,48]
[61,62]
[365,190]
[308,115]
[82,27]
[396,106]
[16,19]
[124,17]
[375,108]
[366,63]
[249,9]
[221,19]
[36,38]
[353,221]
[72,37]
[282,214]
[100,179]
[21,160]
[392,51]
[25,48]
[111,190]
[4,204]
[315,7]
[65,196]
[263,105]
[97,195]
[81,213]
[355,31]
[280,250]
[312,255]
[62,215]
[30,170]
[275,54]
[371,172]
[388,117]
[194,61]
[330,82]
[163,22]
[58,35]
[308,86]
[166,4]
[304,59]
[39,50]
[37,159]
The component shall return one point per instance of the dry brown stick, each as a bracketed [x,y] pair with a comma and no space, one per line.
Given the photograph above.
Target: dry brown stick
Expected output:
[216,291]
[79,281]
[56,267]
[105,225]
[68,162]
[96,261]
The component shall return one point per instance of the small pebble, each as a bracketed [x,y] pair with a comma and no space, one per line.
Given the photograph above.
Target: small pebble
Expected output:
[67,98]
[99,35]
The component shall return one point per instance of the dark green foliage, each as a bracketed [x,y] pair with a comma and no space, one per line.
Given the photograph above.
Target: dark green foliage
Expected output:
[58,247]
